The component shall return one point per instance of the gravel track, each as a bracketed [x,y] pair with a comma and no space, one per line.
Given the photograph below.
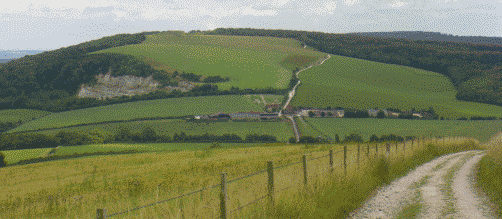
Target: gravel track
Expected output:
[467,203]
[390,200]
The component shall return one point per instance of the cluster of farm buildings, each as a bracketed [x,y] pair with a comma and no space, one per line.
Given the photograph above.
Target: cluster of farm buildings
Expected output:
[303,112]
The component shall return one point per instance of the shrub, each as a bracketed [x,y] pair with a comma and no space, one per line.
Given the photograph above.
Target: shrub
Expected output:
[215,145]
[3,162]
[308,139]
[374,138]
[353,138]
[292,140]
[337,138]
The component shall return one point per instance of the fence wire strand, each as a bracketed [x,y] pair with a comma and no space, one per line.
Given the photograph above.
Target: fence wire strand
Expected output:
[190,193]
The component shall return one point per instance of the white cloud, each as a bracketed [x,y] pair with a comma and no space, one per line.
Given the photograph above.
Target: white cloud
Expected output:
[397,4]
[283,2]
[350,2]
[251,11]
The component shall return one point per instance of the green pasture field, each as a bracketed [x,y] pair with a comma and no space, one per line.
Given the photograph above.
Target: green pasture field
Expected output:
[250,62]
[170,126]
[13,156]
[480,130]
[356,83]
[172,107]
[21,114]
[117,147]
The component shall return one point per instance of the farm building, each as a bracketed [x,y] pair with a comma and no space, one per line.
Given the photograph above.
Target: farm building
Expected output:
[245,115]
[417,114]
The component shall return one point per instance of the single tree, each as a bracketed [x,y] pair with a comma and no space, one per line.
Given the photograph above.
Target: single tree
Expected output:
[311,114]
[337,138]
[330,114]
[323,114]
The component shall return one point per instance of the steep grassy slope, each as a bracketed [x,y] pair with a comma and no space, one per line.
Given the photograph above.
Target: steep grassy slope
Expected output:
[251,62]
[356,83]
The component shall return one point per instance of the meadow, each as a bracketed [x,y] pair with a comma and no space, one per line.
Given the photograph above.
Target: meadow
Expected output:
[481,130]
[250,62]
[170,126]
[14,156]
[362,84]
[489,170]
[77,187]
[173,107]
[21,114]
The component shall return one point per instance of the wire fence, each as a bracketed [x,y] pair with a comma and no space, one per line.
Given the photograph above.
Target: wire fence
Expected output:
[101,213]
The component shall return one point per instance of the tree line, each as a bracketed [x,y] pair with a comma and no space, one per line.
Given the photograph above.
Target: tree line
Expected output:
[353,138]
[124,135]
[473,69]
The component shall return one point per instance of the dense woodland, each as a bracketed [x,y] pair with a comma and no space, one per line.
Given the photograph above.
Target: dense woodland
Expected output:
[474,69]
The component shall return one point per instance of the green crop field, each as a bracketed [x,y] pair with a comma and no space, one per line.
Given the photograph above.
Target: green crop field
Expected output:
[173,107]
[170,126]
[13,156]
[356,83]
[304,128]
[21,114]
[250,62]
[481,130]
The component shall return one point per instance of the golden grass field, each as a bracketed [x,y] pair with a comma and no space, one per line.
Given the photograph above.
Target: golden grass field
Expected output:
[76,188]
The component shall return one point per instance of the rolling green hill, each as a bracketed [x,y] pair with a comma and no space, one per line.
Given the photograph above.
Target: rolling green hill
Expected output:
[173,107]
[355,83]
[250,62]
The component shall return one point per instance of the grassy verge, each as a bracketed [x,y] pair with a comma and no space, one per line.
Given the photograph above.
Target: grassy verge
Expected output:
[412,209]
[489,174]
[77,187]
[337,198]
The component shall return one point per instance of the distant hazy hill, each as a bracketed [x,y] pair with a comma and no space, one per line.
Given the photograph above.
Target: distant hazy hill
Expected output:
[4,60]
[419,35]
[14,54]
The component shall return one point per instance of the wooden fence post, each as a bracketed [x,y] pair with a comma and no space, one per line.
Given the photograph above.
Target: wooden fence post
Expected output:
[331,160]
[388,149]
[358,154]
[345,159]
[368,150]
[412,143]
[101,213]
[270,170]
[305,169]
[404,148]
[376,150]
[223,196]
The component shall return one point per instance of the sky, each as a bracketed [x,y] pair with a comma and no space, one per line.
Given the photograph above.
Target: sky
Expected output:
[52,24]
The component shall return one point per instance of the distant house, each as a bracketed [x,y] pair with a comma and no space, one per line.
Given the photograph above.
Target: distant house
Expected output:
[339,113]
[245,115]
[417,114]
[223,116]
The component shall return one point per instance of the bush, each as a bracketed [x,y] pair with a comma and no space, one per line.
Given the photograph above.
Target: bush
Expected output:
[3,162]
[353,138]
[308,139]
[292,140]
[337,138]
[374,138]
[215,145]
